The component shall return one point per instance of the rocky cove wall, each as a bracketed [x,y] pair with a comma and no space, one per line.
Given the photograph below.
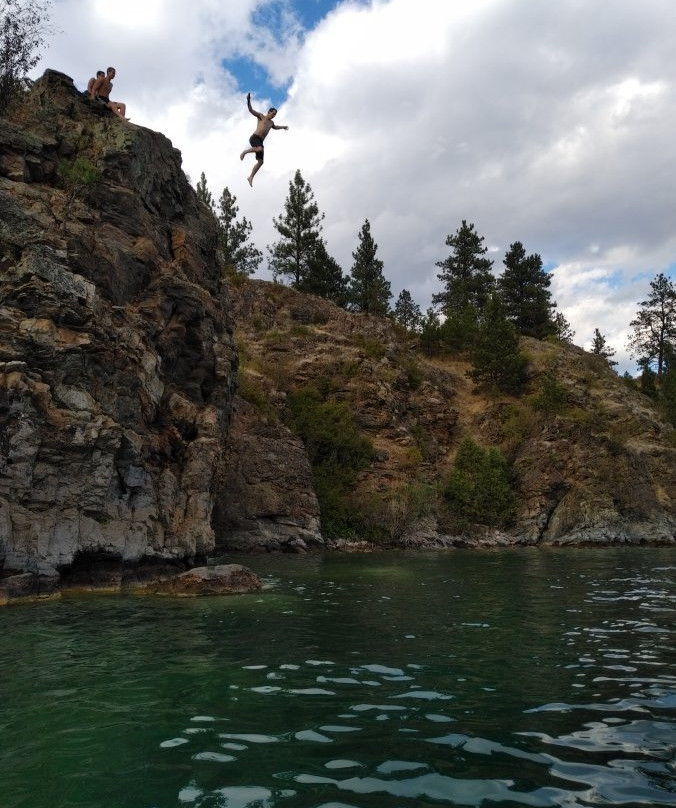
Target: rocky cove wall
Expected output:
[122,439]
[117,363]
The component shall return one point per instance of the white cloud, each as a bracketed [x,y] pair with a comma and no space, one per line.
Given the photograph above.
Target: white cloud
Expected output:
[547,123]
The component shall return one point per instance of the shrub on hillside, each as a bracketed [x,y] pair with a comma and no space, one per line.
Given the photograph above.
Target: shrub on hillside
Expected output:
[479,489]
[337,451]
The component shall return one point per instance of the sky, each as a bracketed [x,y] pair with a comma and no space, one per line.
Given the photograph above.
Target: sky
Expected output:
[549,122]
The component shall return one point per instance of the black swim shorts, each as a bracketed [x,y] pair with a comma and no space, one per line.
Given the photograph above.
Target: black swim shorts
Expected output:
[255,141]
[103,98]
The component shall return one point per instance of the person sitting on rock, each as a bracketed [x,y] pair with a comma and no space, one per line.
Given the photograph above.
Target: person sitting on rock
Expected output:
[92,81]
[101,91]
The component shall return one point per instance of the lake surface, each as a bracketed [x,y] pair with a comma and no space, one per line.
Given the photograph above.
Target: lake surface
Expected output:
[498,678]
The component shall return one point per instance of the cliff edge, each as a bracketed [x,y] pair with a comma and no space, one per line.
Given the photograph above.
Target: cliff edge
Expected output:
[117,364]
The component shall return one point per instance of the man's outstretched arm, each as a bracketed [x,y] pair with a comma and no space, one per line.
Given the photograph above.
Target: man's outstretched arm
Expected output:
[251,109]
[274,126]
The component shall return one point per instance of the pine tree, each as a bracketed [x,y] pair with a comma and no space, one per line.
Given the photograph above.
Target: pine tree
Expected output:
[233,236]
[600,348]
[479,488]
[369,290]
[496,358]
[668,387]
[203,192]
[407,312]
[324,277]
[654,331]
[430,333]
[562,329]
[300,230]
[466,274]
[524,288]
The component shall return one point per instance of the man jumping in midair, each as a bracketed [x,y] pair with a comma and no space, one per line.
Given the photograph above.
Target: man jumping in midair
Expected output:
[265,124]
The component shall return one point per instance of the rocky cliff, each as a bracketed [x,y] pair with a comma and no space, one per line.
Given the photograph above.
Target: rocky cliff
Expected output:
[117,363]
[122,435]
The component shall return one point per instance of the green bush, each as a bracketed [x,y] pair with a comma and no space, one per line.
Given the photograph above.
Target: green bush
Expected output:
[337,451]
[552,398]
[479,490]
[388,515]
[372,348]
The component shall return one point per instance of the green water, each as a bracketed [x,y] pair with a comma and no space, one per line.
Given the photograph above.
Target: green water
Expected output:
[536,678]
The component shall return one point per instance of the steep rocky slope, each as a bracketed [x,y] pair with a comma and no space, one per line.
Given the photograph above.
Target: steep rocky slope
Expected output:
[117,363]
[600,470]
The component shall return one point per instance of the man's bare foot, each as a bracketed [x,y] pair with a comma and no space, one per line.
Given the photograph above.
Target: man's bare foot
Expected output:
[250,181]
[241,157]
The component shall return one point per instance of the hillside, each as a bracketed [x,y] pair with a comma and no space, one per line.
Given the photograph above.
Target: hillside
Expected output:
[122,436]
[599,469]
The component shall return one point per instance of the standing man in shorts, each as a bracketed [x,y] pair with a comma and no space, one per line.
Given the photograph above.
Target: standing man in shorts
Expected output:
[265,124]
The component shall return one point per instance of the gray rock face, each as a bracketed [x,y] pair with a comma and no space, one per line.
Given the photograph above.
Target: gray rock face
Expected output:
[117,363]
[269,500]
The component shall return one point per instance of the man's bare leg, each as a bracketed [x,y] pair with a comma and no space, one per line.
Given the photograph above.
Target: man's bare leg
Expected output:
[259,163]
[252,150]
[117,109]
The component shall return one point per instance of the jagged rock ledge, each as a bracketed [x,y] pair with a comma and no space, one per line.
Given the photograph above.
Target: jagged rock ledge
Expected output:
[104,575]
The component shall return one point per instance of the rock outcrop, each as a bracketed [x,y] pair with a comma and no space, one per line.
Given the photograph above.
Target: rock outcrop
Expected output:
[117,364]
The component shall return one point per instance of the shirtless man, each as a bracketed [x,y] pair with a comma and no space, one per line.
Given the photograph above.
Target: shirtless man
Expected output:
[92,81]
[101,90]
[265,124]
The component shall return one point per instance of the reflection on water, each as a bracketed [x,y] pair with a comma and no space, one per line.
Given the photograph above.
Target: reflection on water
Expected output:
[538,678]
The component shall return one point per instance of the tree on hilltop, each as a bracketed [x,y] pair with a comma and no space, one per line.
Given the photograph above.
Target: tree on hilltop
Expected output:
[407,312]
[466,273]
[369,290]
[300,230]
[323,276]
[233,237]
[600,348]
[654,328]
[203,192]
[524,289]
[496,358]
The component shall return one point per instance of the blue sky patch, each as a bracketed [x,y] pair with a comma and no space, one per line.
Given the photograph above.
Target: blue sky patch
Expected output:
[253,78]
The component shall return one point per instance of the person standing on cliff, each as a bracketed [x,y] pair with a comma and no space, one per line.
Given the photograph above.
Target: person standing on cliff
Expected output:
[265,124]
[101,90]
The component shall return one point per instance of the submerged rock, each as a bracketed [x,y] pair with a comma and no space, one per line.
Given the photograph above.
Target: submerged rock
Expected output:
[223,579]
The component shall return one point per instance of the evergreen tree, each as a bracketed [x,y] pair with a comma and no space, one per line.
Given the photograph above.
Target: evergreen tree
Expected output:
[23,27]
[466,273]
[495,355]
[654,331]
[300,230]
[203,192]
[369,290]
[600,348]
[524,288]
[233,236]
[324,277]
[479,488]
[430,333]
[407,312]
[668,387]
[562,329]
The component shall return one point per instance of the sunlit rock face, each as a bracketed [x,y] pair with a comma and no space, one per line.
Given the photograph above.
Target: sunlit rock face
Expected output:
[117,364]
